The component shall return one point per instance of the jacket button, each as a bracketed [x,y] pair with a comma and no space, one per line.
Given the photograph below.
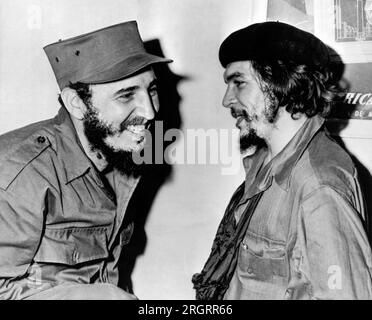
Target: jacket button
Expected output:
[40,139]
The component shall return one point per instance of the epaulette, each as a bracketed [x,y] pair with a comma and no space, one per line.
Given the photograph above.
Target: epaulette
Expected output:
[16,154]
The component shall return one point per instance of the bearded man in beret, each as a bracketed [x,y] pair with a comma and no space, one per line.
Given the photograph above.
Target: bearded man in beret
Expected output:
[65,183]
[294,229]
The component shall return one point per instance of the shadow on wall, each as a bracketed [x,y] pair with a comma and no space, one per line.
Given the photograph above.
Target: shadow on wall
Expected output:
[155,174]
[338,120]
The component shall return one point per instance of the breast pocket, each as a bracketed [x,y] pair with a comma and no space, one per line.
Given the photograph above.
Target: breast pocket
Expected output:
[72,246]
[263,259]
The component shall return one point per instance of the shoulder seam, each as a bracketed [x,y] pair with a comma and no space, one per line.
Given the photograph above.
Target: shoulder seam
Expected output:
[15,161]
[324,185]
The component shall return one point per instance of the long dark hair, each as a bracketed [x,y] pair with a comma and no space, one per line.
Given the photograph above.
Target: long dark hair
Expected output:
[301,89]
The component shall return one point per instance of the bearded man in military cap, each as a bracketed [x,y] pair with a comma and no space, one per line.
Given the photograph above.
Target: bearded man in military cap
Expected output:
[294,229]
[65,183]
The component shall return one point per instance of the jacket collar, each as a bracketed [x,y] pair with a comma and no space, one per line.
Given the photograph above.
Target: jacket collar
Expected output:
[280,167]
[287,159]
[74,161]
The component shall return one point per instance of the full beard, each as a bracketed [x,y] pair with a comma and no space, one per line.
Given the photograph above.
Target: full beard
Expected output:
[97,131]
[249,141]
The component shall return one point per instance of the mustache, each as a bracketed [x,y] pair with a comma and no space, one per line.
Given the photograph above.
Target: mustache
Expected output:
[235,113]
[135,121]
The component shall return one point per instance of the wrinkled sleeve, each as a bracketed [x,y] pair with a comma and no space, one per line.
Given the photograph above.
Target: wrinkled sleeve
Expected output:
[21,220]
[336,253]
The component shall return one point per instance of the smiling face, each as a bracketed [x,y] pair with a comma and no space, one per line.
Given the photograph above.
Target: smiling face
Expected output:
[248,104]
[117,117]
[126,108]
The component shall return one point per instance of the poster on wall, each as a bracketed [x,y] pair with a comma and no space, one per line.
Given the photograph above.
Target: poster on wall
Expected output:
[353,20]
[346,27]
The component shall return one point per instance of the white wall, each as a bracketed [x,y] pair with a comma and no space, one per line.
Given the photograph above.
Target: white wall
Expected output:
[187,210]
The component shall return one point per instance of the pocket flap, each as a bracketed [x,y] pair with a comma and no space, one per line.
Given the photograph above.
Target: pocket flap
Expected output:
[72,245]
[263,258]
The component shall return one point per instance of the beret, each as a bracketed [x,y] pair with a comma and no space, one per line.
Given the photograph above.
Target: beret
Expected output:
[101,56]
[273,41]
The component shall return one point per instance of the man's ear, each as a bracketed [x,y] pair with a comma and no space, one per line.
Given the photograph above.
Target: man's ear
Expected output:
[74,105]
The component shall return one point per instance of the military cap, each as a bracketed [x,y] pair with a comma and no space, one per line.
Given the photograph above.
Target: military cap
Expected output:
[273,41]
[101,56]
